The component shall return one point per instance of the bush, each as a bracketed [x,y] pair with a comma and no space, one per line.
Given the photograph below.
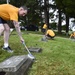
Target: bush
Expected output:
[53,25]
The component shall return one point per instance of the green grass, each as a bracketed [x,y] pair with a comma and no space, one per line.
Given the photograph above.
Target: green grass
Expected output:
[57,56]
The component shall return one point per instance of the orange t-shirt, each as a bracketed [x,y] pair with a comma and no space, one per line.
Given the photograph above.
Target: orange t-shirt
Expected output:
[45,26]
[73,34]
[50,32]
[8,12]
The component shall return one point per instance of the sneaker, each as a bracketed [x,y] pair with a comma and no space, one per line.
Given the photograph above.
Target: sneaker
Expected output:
[8,49]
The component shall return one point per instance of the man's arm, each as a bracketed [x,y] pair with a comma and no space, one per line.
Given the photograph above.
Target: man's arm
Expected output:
[17,27]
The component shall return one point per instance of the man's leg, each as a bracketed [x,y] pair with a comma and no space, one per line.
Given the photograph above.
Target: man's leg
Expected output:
[1,29]
[6,34]
[6,38]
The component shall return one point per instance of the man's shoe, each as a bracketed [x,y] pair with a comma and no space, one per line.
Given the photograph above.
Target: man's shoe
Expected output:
[8,49]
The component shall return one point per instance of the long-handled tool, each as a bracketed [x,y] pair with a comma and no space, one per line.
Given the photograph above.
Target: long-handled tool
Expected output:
[29,54]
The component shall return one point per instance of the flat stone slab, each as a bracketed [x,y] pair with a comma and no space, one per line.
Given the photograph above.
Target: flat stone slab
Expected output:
[34,49]
[13,63]
[16,65]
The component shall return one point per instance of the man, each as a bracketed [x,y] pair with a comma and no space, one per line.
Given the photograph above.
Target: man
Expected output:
[50,34]
[72,35]
[10,12]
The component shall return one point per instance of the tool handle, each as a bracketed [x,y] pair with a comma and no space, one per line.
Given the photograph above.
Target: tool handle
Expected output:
[26,47]
[23,43]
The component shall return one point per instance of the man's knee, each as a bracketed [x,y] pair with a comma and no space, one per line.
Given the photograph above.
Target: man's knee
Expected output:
[6,27]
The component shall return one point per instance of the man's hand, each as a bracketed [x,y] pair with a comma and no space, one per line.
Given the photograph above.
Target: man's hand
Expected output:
[22,40]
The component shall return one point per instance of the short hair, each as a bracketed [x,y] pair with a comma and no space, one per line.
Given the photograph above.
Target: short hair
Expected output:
[24,7]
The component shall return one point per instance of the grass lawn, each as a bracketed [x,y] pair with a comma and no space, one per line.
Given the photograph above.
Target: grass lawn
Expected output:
[57,56]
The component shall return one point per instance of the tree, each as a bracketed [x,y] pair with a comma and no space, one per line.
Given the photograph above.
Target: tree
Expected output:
[67,7]
[2,1]
[59,22]
[34,12]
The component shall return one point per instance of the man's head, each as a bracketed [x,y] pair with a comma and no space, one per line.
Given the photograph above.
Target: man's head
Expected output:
[23,11]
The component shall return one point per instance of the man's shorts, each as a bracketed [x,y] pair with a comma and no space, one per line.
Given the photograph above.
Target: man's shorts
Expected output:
[2,21]
[43,30]
[50,36]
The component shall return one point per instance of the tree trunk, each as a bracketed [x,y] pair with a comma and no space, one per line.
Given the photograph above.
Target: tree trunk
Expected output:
[67,24]
[59,22]
[46,11]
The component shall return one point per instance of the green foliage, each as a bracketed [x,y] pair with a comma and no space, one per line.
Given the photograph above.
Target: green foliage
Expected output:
[64,27]
[53,25]
[2,1]
[67,6]
[34,13]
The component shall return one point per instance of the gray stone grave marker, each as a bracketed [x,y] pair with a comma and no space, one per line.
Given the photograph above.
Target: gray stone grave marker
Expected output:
[34,49]
[16,65]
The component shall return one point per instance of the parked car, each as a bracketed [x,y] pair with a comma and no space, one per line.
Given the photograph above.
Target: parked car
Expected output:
[22,27]
[32,27]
